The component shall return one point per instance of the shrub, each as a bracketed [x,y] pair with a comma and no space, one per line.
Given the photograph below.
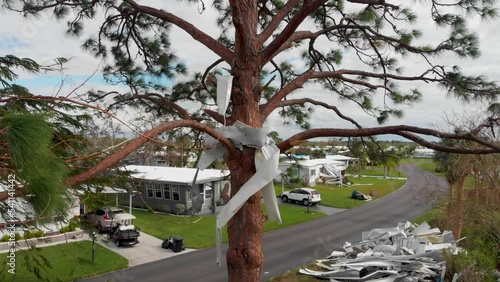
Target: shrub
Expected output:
[5,238]
[220,202]
[73,225]
[179,209]
[38,233]
[33,234]
[165,208]
[476,264]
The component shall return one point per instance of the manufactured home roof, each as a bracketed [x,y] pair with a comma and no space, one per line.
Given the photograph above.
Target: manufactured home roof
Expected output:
[175,174]
[339,158]
[314,162]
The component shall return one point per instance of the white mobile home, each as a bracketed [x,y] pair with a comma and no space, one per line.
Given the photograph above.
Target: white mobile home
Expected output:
[18,212]
[310,171]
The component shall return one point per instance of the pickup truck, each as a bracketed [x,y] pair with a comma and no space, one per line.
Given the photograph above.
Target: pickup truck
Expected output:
[124,233]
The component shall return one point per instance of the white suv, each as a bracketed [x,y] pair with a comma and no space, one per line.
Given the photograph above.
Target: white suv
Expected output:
[306,196]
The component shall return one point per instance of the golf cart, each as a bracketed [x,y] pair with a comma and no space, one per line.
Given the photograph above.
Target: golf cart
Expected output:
[124,233]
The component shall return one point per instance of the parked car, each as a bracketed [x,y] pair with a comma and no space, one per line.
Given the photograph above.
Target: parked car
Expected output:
[124,233]
[102,218]
[306,196]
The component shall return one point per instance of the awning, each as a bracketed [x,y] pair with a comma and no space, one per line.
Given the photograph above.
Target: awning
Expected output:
[104,189]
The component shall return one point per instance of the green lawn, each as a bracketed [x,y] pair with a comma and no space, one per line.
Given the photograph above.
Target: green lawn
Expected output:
[340,197]
[199,231]
[379,171]
[63,262]
[413,160]
[431,167]
[427,166]
[430,216]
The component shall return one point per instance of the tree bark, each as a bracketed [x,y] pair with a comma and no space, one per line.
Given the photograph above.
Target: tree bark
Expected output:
[459,208]
[245,258]
[450,205]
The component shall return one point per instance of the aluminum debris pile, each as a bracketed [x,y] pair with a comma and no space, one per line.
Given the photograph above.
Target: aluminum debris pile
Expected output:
[406,253]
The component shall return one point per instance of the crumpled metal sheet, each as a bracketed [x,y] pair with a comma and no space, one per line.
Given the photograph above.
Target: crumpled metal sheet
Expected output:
[266,164]
[405,253]
[267,170]
[224,84]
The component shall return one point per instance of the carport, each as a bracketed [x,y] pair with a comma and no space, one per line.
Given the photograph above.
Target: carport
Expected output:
[104,190]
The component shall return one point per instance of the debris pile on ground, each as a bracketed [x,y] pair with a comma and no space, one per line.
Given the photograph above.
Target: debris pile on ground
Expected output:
[406,253]
[360,196]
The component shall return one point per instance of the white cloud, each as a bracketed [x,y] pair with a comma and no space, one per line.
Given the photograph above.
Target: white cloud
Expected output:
[43,39]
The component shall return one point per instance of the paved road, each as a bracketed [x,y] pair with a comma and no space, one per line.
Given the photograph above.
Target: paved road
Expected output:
[295,246]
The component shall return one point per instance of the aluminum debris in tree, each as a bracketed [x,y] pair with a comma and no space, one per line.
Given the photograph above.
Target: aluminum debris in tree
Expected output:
[266,164]
[405,253]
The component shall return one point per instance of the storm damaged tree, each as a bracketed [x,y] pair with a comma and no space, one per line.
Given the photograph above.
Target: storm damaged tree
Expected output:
[34,138]
[465,206]
[351,48]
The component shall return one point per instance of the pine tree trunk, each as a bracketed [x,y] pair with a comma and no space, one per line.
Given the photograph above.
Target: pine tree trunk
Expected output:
[459,208]
[449,207]
[244,256]
[245,259]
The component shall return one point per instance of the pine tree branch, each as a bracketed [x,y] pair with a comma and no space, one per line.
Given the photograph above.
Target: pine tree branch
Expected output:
[406,131]
[276,21]
[375,3]
[322,104]
[272,49]
[160,101]
[275,101]
[198,35]
[141,140]
[300,80]
[220,118]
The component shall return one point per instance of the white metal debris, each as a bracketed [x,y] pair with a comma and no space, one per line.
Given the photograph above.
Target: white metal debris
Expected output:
[405,253]
[266,164]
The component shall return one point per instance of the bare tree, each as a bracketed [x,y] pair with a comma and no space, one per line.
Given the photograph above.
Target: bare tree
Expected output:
[255,38]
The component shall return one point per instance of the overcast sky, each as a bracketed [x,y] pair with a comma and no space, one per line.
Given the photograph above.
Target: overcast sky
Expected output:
[43,40]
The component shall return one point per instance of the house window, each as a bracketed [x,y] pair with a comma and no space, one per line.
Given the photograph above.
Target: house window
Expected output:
[157,190]
[149,189]
[166,192]
[208,193]
[176,195]
[313,172]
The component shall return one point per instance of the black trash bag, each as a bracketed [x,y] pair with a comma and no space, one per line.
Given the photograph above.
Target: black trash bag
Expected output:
[168,243]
